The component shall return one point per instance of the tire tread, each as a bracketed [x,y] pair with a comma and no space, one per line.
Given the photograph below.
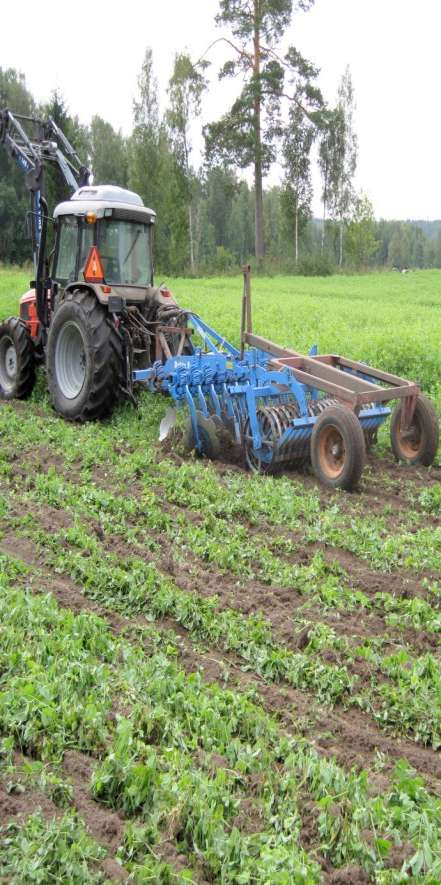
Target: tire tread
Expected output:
[107,359]
[15,329]
[349,424]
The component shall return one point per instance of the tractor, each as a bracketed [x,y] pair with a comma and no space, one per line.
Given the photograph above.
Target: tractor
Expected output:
[92,314]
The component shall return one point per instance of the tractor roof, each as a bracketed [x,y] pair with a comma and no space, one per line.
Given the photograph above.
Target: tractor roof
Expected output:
[104,196]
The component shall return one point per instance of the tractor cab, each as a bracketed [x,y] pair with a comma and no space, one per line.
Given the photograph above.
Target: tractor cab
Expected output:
[119,226]
[104,242]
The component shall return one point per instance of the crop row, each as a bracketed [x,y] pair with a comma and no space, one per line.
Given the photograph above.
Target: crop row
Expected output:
[229,547]
[279,502]
[402,701]
[181,759]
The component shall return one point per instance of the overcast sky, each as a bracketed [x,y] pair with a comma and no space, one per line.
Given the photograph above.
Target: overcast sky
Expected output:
[92,52]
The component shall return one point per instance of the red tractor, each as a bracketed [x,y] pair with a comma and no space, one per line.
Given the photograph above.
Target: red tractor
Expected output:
[92,314]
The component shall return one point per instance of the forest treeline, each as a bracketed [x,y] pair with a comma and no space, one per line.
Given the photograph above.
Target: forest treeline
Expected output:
[212,219]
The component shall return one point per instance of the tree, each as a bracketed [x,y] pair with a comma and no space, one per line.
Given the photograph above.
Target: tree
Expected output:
[145,160]
[220,187]
[338,160]
[240,223]
[297,189]
[360,236]
[331,157]
[343,192]
[185,90]
[14,196]
[247,134]
[155,174]
[108,153]
[79,137]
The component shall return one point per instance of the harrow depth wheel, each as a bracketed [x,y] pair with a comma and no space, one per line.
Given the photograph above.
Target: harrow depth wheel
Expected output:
[419,443]
[338,449]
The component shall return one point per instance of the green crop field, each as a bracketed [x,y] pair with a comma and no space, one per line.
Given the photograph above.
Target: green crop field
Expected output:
[208,676]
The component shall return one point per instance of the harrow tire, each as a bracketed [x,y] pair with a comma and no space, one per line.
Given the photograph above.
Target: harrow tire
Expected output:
[421,443]
[17,360]
[338,451]
[84,359]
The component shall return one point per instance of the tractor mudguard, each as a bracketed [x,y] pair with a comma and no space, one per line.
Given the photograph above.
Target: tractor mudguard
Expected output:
[159,295]
[28,312]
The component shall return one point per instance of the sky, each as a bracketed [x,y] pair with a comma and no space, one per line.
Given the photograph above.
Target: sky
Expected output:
[92,52]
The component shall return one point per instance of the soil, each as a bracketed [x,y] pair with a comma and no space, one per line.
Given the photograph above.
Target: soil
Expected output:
[104,825]
[21,802]
[349,735]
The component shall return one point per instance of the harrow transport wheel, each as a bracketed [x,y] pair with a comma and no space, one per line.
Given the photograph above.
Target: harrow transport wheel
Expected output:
[418,444]
[17,365]
[338,451]
[84,359]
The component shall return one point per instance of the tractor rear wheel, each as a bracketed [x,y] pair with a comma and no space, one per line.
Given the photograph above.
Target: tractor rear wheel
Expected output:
[338,450]
[17,364]
[419,443]
[84,359]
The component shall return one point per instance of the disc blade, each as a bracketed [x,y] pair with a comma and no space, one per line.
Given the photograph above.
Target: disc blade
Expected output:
[167,423]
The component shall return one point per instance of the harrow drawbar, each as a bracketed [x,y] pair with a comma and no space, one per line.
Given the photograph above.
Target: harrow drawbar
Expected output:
[282,407]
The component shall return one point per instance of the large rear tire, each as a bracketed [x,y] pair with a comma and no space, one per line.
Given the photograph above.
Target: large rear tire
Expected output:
[418,444]
[338,451]
[84,359]
[17,363]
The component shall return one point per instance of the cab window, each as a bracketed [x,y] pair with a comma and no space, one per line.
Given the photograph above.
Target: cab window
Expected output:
[67,249]
[87,241]
[125,250]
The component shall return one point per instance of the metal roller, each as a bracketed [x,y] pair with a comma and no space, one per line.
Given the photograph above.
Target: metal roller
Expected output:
[274,421]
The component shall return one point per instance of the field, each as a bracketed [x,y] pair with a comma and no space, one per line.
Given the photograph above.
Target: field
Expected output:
[207,676]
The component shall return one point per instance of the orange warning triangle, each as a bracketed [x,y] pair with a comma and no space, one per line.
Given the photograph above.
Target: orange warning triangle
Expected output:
[94,271]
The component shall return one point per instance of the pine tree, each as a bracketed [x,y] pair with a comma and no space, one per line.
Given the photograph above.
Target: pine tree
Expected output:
[247,134]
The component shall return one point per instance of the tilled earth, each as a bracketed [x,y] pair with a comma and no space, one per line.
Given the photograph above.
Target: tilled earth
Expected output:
[348,550]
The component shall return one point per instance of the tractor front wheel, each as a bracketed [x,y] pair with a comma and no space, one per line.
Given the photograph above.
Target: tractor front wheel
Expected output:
[418,444]
[17,364]
[338,450]
[84,359]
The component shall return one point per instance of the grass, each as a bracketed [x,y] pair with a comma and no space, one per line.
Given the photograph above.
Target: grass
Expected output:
[241,624]
[390,320]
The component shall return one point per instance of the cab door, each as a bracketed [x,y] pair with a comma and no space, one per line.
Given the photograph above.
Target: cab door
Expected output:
[74,240]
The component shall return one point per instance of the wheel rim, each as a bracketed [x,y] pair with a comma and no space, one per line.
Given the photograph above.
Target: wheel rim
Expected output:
[8,363]
[410,440]
[70,360]
[332,451]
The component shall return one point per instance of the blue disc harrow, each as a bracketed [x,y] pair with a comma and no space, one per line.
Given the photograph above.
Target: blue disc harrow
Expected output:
[278,406]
